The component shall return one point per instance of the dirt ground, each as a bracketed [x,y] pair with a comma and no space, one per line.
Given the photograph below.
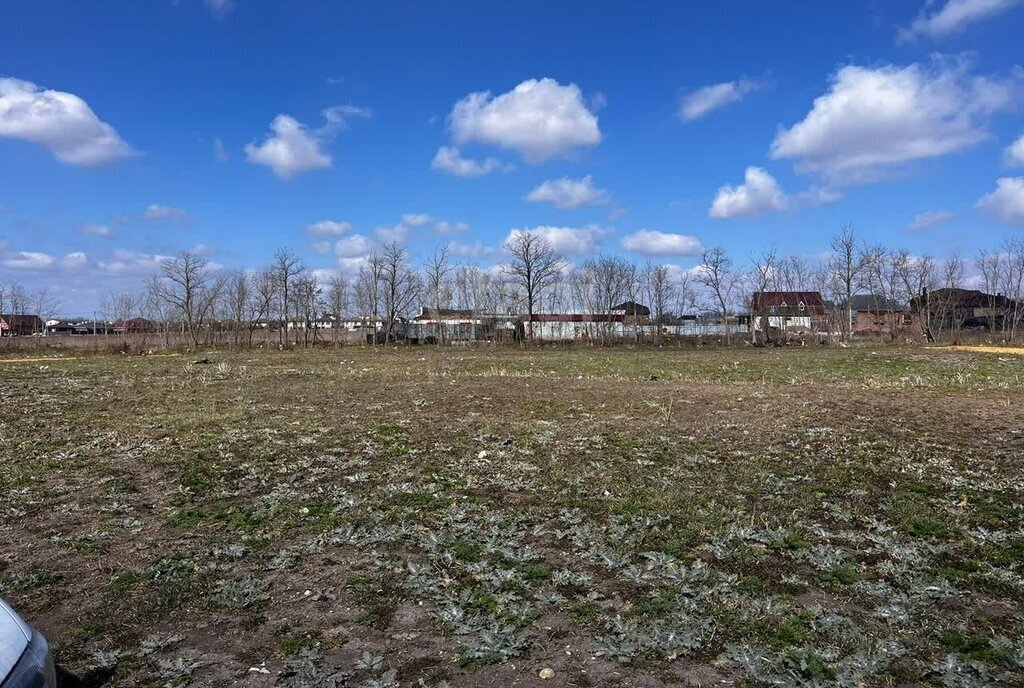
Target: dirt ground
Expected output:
[448,517]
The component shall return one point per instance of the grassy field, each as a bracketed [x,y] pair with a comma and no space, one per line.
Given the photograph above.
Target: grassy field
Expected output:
[425,517]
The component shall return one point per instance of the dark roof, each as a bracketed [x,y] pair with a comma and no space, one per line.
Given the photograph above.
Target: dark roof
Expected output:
[787,299]
[875,302]
[966,298]
[632,308]
[575,317]
[432,313]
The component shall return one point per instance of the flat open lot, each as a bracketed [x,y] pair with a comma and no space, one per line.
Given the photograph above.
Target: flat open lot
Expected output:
[471,517]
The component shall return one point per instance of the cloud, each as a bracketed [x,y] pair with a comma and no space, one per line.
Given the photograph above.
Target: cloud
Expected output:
[400,232]
[569,193]
[321,247]
[351,266]
[758,194]
[328,228]
[220,153]
[130,262]
[60,121]
[873,120]
[1007,201]
[538,118]
[415,219]
[928,219]
[1014,153]
[705,100]
[449,159]
[654,243]
[353,246]
[446,227]
[156,212]
[77,259]
[291,148]
[220,8]
[97,230]
[28,260]
[954,17]
[473,251]
[567,240]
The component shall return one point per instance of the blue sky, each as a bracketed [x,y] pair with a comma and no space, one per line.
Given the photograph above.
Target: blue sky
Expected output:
[133,129]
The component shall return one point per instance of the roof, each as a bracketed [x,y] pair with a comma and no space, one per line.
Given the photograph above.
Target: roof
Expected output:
[966,298]
[436,313]
[787,299]
[875,302]
[19,321]
[575,317]
[632,308]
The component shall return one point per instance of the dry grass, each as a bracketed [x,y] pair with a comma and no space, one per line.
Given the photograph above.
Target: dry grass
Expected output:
[439,517]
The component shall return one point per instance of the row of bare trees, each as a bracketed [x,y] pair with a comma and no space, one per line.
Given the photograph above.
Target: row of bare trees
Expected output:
[286,301]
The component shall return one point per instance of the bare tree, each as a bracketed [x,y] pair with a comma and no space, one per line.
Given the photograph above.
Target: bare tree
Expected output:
[287,266]
[715,273]
[261,301]
[400,286]
[846,264]
[238,296]
[533,267]
[188,287]
[337,302]
[368,285]
[601,284]
[307,307]
[762,271]
[438,286]
[120,307]
[661,291]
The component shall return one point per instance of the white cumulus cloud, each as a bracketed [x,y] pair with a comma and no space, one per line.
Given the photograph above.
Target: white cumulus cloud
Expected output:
[1007,201]
[131,262]
[539,118]
[573,241]
[328,228]
[955,16]
[353,246]
[474,251]
[654,243]
[446,227]
[292,148]
[873,120]
[60,121]
[705,100]
[1014,154]
[758,194]
[76,259]
[569,193]
[28,260]
[449,159]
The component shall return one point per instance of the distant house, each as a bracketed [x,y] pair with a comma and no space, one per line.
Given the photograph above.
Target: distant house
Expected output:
[623,321]
[881,315]
[59,328]
[134,326]
[12,325]
[967,309]
[779,312]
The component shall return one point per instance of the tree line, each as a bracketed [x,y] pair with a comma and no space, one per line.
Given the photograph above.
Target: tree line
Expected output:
[209,306]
